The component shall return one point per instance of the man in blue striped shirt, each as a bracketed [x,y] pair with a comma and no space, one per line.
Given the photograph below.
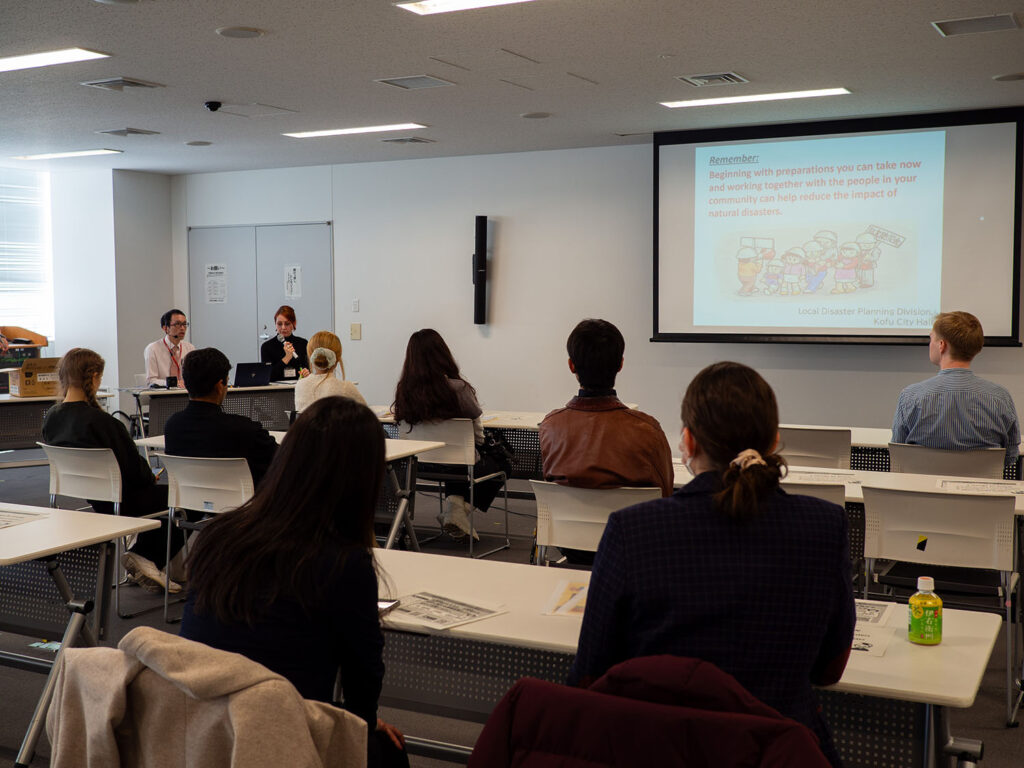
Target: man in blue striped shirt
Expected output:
[956,410]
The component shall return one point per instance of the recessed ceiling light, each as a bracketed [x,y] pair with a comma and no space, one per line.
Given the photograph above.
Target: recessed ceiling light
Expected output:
[241,33]
[1012,77]
[77,153]
[48,58]
[347,131]
[535,115]
[198,143]
[755,97]
[426,7]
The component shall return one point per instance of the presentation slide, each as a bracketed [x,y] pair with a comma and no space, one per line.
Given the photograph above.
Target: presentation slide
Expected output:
[866,234]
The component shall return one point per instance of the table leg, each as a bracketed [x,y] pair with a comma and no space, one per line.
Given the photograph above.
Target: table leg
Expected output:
[404,512]
[76,627]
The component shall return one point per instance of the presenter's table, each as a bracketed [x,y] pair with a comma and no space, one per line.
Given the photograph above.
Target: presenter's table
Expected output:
[55,568]
[400,507]
[21,420]
[887,710]
[267,405]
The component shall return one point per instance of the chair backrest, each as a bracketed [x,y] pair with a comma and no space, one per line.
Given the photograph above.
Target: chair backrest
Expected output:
[957,529]
[981,462]
[85,473]
[815,446]
[576,517]
[833,492]
[206,484]
[456,434]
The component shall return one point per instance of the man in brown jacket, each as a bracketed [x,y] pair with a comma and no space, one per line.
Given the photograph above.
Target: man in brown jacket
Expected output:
[595,441]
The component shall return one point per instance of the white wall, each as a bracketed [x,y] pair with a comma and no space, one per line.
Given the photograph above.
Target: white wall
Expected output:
[84,286]
[572,239]
[143,267]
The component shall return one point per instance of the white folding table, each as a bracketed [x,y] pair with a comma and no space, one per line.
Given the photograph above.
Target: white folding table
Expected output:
[394,452]
[51,579]
[886,710]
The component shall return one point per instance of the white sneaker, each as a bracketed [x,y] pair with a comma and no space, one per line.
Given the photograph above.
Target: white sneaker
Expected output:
[457,516]
[144,572]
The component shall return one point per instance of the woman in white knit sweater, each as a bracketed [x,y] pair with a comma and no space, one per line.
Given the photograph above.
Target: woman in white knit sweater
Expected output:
[324,356]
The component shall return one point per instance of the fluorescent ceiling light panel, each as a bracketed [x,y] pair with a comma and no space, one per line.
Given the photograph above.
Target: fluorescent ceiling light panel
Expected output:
[347,131]
[426,7]
[48,58]
[755,97]
[79,153]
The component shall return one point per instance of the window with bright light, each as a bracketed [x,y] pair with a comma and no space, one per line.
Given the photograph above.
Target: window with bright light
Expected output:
[26,258]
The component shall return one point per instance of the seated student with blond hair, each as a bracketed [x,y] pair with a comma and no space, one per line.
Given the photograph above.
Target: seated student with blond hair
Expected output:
[956,410]
[325,357]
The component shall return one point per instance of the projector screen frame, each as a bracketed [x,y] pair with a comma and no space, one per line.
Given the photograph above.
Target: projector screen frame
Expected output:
[844,126]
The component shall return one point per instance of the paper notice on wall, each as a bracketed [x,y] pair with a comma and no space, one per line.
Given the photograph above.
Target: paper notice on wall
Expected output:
[293,281]
[216,283]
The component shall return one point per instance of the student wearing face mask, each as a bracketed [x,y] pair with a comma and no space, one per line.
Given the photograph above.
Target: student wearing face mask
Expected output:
[286,352]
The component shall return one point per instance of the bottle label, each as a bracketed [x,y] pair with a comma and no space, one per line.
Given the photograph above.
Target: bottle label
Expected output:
[925,624]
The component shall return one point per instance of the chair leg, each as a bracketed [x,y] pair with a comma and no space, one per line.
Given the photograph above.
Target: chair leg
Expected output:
[1011,706]
[508,542]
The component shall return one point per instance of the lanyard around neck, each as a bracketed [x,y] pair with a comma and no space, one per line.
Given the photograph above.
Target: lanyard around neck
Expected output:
[170,351]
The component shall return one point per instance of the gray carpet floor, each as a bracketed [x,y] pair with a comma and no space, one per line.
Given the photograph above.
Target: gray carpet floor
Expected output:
[1004,748]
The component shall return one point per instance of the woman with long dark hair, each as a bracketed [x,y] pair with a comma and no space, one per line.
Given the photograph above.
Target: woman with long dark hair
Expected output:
[288,579]
[78,421]
[431,388]
[731,569]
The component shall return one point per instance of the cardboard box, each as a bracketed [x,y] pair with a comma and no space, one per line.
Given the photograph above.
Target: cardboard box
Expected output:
[35,378]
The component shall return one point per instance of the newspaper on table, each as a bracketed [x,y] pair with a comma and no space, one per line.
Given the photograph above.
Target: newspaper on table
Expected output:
[9,518]
[441,611]
[980,486]
[874,611]
[871,635]
[568,599]
[871,639]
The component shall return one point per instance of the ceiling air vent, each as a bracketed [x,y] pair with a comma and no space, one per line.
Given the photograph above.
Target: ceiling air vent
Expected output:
[408,140]
[721,78]
[121,83]
[130,132]
[996,23]
[414,82]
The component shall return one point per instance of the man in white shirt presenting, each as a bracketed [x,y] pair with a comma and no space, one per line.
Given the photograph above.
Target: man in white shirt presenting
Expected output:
[164,356]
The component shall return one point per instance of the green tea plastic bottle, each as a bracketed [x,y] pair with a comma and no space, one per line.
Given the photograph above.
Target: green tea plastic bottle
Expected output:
[924,613]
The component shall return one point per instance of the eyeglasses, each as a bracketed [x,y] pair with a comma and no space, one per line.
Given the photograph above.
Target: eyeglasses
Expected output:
[183,324]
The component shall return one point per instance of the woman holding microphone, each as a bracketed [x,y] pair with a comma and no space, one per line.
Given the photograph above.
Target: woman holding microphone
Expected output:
[286,352]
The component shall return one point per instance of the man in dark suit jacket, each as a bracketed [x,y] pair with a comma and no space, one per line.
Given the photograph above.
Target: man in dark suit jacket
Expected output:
[203,429]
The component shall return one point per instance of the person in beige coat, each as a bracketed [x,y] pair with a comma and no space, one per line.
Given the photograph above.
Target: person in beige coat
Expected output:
[161,701]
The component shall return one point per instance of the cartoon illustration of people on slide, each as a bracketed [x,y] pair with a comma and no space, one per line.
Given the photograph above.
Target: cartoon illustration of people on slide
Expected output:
[803,269]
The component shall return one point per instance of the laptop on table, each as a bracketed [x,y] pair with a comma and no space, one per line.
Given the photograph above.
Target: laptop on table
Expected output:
[252,374]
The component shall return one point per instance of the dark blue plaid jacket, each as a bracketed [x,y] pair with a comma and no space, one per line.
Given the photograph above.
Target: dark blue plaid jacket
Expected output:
[766,600]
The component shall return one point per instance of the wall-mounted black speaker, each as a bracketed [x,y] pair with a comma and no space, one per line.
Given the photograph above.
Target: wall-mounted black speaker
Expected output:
[480,272]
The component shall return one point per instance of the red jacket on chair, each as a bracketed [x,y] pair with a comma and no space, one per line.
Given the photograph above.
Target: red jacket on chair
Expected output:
[652,711]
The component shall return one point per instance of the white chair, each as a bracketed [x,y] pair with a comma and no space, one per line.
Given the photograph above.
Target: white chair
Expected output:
[459,452]
[815,446]
[89,474]
[575,518]
[981,462]
[201,484]
[946,530]
[832,492]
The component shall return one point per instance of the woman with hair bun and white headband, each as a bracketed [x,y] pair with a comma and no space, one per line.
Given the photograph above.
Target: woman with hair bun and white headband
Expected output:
[730,569]
[325,358]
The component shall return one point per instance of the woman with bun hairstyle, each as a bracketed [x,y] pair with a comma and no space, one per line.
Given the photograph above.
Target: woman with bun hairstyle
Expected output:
[285,352]
[289,579]
[78,421]
[731,569]
[325,360]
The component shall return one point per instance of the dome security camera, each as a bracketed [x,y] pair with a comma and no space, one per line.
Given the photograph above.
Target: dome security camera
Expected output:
[213,106]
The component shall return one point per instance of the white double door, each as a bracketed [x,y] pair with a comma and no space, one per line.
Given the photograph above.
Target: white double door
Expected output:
[239,276]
